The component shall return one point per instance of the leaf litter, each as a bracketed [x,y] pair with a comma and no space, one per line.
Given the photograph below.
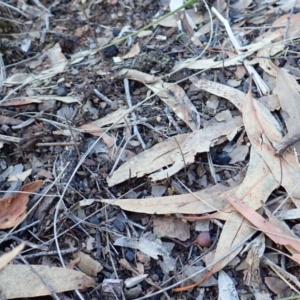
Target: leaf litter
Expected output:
[191,138]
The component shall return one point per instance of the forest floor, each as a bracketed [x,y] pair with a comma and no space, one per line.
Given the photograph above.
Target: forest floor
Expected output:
[150,157]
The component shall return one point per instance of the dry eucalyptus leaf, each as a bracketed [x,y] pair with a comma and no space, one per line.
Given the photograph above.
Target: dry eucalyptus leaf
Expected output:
[6,258]
[13,208]
[29,284]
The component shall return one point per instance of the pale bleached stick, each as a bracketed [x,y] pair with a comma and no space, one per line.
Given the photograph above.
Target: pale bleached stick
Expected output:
[262,87]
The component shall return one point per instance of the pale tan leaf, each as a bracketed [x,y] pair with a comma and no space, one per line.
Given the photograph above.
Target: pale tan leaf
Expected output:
[30,285]
[233,95]
[175,97]
[171,94]
[134,51]
[264,40]
[88,265]
[20,176]
[274,233]
[138,76]
[113,117]
[58,64]
[289,97]
[65,99]
[198,142]
[168,153]
[257,185]
[18,78]
[196,17]
[6,258]
[148,161]
[226,287]
[264,134]
[241,4]
[283,227]
[171,227]
[212,199]
[263,58]
[209,63]
[95,130]
[291,20]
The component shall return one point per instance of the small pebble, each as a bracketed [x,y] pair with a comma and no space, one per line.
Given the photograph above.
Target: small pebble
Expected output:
[110,51]
[119,224]
[129,255]
[61,91]
[116,32]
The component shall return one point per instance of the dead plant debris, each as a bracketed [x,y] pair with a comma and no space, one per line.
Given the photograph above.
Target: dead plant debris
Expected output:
[150,149]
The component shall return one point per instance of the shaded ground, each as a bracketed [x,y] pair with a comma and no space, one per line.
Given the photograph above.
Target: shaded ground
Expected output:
[64,136]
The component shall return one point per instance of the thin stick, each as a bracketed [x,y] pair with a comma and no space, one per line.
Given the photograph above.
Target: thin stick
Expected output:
[171,119]
[288,25]
[103,97]
[286,144]
[49,253]
[133,115]
[120,155]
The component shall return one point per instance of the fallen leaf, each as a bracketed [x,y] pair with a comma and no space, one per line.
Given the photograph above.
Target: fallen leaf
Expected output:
[175,97]
[88,265]
[276,285]
[288,94]
[138,76]
[198,142]
[31,285]
[119,117]
[264,134]
[212,199]
[233,95]
[171,227]
[20,176]
[6,258]
[134,51]
[226,287]
[274,233]
[171,94]
[13,208]
[236,229]
[147,161]
[151,248]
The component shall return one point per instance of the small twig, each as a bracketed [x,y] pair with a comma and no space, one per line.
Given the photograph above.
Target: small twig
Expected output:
[182,155]
[286,144]
[211,168]
[282,274]
[32,245]
[74,140]
[10,138]
[49,253]
[58,144]
[28,122]
[103,97]
[120,155]
[2,72]
[171,120]
[288,23]
[14,8]
[133,115]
